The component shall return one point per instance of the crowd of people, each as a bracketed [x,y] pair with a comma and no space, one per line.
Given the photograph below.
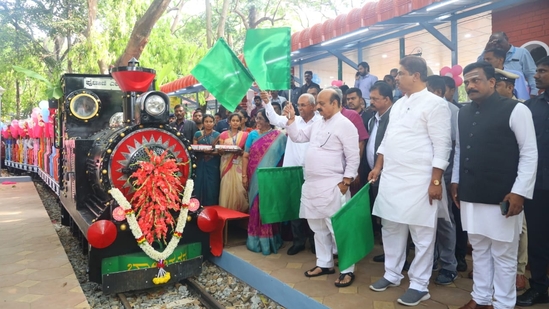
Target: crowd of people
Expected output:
[442,174]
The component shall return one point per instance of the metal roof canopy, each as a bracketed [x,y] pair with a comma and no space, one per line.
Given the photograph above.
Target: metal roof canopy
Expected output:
[425,18]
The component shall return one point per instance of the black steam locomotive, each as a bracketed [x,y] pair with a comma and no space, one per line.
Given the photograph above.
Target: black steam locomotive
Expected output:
[106,125]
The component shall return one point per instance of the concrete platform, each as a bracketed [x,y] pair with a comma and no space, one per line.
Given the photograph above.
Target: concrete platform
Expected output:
[34,269]
[281,277]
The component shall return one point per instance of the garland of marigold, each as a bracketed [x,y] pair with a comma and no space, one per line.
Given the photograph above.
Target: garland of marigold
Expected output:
[136,230]
[157,191]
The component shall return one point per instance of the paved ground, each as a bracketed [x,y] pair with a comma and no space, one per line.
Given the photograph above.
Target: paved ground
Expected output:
[290,269]
[34,269]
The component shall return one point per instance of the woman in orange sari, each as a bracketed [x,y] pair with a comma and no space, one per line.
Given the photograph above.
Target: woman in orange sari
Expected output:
[232,193]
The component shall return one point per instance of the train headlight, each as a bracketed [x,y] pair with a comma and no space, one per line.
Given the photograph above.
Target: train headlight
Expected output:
[152,108]
[155,105]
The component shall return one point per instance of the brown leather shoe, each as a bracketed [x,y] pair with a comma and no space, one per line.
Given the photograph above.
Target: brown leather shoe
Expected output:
[473,305]
[521,282]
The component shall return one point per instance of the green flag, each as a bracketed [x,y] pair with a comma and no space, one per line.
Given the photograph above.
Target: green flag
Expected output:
[224,75]
[267,55]
[353,229]
[279,193]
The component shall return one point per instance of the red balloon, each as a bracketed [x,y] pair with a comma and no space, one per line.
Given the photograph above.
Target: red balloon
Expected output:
[456,70]
[102,234]
[458,80]
[208,220]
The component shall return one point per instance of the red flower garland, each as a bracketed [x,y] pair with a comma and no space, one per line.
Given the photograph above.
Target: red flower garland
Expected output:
[157,190]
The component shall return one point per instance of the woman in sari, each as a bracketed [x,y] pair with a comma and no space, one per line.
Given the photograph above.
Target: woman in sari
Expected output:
[232,193]
[245,121]
[264,148]
[206,186]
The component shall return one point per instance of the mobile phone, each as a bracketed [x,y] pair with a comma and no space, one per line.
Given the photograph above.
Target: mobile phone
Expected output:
[504,206]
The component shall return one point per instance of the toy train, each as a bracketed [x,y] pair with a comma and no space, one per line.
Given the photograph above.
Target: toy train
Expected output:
[92,144]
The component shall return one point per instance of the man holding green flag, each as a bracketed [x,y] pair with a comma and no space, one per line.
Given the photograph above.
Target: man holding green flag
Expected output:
[333,147]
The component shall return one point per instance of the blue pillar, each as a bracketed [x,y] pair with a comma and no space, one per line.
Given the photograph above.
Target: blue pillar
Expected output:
[359,54]
[301,74]
[402,48]
[339,69]
[454,39]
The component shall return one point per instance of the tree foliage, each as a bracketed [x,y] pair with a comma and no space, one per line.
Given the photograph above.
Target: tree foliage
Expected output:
[53,37]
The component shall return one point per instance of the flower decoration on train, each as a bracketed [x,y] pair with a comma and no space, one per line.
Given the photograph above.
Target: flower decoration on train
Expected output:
[454,72]
[157,186]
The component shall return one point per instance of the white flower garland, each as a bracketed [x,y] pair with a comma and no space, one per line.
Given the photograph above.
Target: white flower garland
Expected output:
[136,230]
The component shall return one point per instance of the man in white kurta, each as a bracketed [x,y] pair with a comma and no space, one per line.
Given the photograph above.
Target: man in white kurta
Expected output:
[331,164]
[295,155]
[413,155]
[495,161]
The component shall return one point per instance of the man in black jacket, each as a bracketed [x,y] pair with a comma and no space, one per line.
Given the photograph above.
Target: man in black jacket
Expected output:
[537,209]
[494,170]
[187,127]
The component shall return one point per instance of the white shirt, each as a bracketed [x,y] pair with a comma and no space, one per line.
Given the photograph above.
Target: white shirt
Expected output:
[454,110]
[332,155]
[474,215]
[295,152]
[371,145]
[416,141]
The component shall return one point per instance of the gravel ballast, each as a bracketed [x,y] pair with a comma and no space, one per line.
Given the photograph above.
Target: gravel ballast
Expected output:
[227,289]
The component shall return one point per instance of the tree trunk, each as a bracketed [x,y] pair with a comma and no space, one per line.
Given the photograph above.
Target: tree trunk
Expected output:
[69,47]
[141,31]
[208,24]
[223,19]
[252,18]
[92,15]
[17,99]
[103,67]
[177,16]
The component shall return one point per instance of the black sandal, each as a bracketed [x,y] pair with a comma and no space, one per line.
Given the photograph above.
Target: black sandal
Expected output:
[341,277]
[325,271]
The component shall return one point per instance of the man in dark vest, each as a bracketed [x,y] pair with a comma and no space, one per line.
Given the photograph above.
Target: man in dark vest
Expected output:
[537,210]
[495,162]
[381,101]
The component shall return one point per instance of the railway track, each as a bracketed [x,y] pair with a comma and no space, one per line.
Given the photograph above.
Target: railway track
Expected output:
[205,298]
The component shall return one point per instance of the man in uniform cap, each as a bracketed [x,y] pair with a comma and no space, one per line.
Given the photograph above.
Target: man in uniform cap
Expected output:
[505,84]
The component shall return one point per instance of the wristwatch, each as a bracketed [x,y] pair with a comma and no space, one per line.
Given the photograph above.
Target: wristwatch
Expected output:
[436,182]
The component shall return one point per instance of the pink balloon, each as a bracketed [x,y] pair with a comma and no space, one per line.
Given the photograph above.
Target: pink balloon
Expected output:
[48,132]
[337,83]
[458,80]
[456,70]
[444,71]
[14,129]
[5,133]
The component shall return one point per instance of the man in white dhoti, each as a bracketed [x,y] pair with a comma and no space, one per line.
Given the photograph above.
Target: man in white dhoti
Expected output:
[295,156]
[495,162]
[331,163]
[413,155]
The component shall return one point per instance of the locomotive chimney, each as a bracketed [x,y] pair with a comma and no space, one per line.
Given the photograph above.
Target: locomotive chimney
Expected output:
[133,80]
